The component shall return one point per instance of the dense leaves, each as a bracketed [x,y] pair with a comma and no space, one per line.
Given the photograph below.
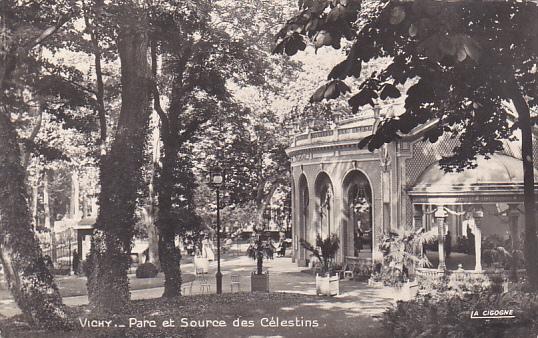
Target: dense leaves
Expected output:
[449,316]
[329,91]
[445,46]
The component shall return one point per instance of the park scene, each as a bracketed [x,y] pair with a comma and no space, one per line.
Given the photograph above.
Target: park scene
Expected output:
[268,168]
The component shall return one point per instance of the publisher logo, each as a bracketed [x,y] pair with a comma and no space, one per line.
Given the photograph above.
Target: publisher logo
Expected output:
[492,314]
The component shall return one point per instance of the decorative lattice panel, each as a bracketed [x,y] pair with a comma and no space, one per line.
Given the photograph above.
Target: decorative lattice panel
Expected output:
[424,154]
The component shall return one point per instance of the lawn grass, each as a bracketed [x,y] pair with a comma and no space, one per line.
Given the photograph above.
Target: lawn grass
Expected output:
[71,286]
[249,307]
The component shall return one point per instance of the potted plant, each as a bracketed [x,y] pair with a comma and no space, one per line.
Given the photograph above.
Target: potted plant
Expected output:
[376,281]
[402,251]
[259,250]
[327,281]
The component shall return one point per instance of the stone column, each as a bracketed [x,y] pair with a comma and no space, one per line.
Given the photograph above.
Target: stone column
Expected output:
[513,217]
[440,216]
[478,215]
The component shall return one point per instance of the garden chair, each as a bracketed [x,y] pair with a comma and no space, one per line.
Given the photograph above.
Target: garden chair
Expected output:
[204,284]
[348,271]
[185,287]
[235,282]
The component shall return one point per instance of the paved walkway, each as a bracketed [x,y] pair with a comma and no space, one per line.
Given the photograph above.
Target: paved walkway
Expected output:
[355,298]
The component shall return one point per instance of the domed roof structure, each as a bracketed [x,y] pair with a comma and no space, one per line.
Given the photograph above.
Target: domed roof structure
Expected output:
[497,179]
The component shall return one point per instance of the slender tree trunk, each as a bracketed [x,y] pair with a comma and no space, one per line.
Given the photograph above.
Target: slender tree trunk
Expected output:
[153,237]
[46,204]
[152,209]
[29,280]
[121,176]
[259,265]
[35,188]
[74,206]
[531,242]
[46,208]
[263,202]
[93,27]
[169,255]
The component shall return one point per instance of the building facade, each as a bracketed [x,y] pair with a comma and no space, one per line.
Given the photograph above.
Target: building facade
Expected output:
[360,195]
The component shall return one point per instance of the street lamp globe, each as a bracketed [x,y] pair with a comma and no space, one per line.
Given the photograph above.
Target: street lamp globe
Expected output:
[216,177]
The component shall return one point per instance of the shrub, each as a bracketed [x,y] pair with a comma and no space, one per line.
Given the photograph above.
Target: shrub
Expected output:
[457,283]
[146,270]
[325,251]
[401,250]
[449,316]
[362,272]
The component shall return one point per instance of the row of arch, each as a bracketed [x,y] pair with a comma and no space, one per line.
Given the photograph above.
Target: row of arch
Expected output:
[319,214]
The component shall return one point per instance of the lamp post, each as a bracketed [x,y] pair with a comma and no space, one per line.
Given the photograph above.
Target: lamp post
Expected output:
[216,179]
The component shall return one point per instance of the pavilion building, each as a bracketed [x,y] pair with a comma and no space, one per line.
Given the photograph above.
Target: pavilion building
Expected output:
[360,195]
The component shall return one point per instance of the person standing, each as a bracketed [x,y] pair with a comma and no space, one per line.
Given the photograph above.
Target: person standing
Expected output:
[207,250]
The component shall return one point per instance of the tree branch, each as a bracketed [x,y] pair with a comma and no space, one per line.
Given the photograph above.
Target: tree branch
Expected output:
[155,90]
[31,138]
[100,92]
[44,35]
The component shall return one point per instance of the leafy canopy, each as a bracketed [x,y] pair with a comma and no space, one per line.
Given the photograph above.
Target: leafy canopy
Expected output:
[458,64]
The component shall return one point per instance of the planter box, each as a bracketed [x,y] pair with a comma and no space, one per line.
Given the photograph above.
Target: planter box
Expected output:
[259,283]
[374,284]
[201,263]
[327,285]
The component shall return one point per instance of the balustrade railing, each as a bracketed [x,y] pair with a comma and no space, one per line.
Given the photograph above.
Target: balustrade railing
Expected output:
[332,133]
[323,133]
[458,275]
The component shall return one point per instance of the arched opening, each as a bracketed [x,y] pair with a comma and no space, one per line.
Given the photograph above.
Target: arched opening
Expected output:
[324,205]
[358,214]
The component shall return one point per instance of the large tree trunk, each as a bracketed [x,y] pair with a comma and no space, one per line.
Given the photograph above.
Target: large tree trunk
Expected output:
[531,242]
[108,285]
[29,280]
[169,255]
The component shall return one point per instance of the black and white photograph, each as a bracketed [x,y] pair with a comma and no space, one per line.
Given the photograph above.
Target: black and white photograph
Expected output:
[268,168]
